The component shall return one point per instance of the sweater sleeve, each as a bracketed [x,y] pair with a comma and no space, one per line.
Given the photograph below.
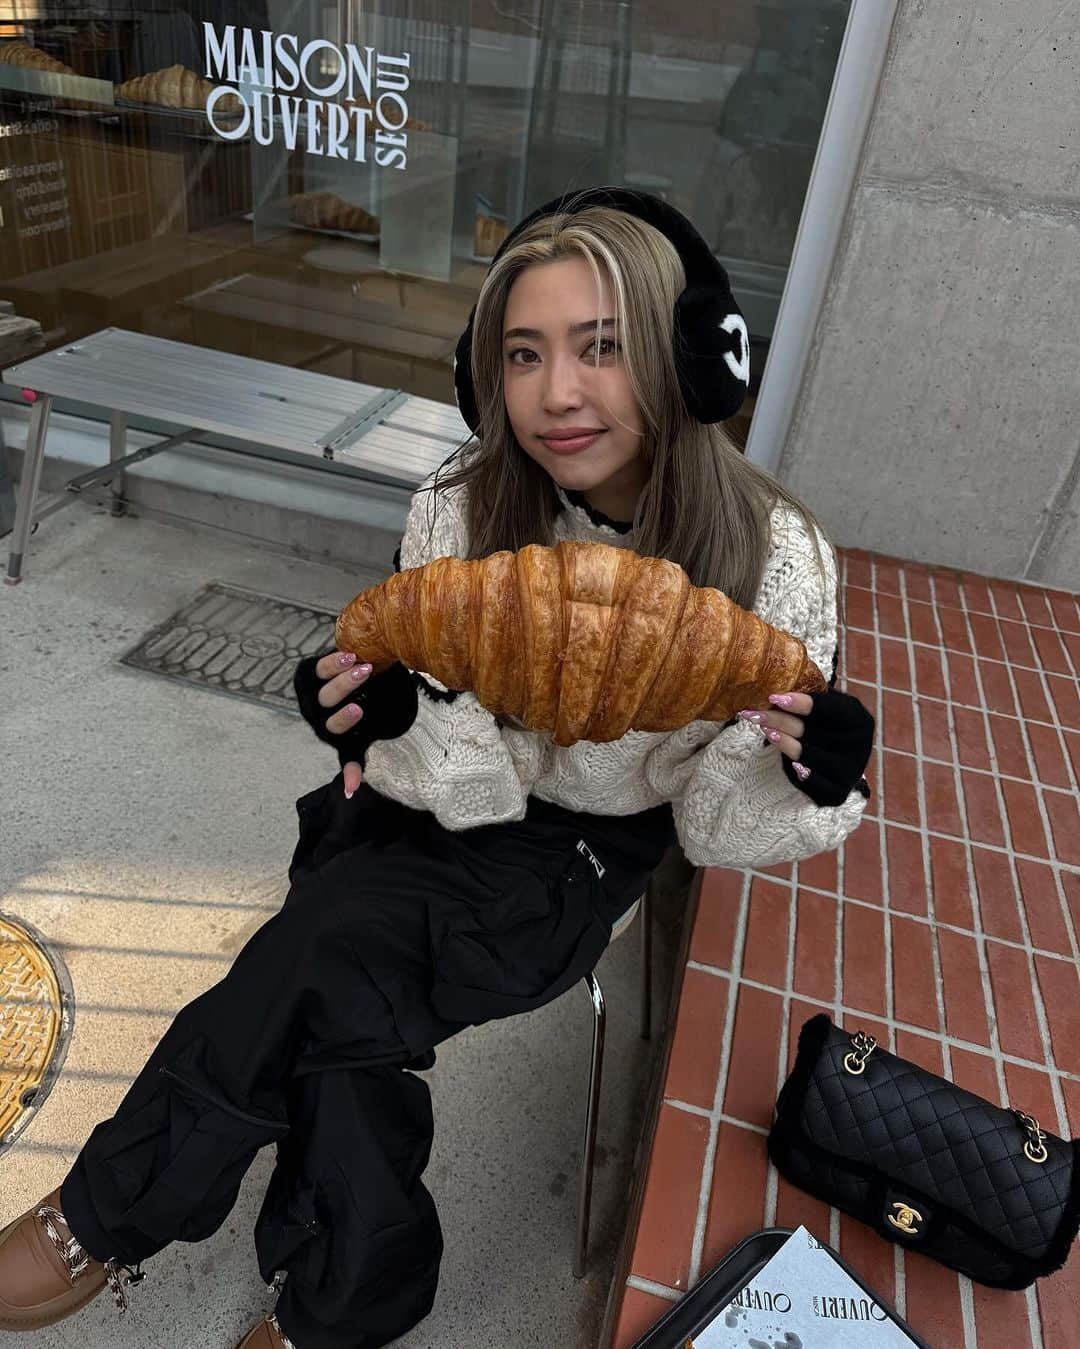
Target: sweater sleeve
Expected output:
[453,760]
[732,802]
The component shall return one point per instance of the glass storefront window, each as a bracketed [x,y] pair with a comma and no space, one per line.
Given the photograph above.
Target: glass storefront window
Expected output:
[322,184]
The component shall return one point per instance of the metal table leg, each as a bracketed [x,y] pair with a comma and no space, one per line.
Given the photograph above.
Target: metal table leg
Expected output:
[117,450]
[28,487]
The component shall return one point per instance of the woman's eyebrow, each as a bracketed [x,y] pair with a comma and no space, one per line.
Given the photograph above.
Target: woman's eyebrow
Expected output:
[570,332]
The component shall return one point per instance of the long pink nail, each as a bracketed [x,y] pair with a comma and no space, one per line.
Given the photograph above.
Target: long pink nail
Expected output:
[780,699]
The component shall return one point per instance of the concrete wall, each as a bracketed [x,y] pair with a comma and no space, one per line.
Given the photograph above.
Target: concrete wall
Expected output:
[939,419]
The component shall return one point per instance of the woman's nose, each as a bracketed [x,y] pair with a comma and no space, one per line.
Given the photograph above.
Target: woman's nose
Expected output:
[562,381]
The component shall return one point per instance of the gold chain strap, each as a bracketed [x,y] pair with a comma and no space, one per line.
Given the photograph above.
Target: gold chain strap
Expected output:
[862,1046]
[1034,1147]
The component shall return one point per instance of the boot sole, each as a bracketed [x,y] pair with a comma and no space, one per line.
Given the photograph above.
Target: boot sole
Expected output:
[48,1313]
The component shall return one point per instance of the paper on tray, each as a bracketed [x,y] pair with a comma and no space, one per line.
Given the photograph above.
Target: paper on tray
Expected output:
[802,1299]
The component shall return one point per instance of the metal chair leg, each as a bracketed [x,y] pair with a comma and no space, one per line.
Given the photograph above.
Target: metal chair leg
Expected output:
[596,1065]
[646,962]
[28,487]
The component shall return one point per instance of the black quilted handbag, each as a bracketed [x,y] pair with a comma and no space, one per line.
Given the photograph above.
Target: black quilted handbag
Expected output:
[924,1163]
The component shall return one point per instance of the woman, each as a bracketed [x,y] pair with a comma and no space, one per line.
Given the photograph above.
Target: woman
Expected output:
[460,867]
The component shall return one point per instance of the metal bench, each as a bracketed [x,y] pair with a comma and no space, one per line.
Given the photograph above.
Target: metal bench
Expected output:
[333,425]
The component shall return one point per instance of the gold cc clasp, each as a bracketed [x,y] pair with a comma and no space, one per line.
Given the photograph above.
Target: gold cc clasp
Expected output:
[906,1217]
[862,1046]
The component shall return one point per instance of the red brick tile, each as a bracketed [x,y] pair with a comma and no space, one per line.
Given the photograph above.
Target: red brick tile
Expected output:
[751,1084]
[1042,904]
[799,1013]
[1049,651]
[1001,1318]
[929,679]
[857,568]
[1071,1091]
[713,937]
[1061,807]
[981,806]
[1018,1031]
[962,677]
[895,673]
[820,871]
[908,889]
[864,959]
[1017,643]
[670,1204]
[897,724]
[1031,1092]
[815,946]
[862,863]
[1009,749]
[946,590]
[1029,691]
[939,788]
[859,658]
[976,593]
[1006,599]
[954,633]
[869,1255]
[781,870]
[886,575]
[923,624]
[890,613]
[933,1301]
[1059,1298]
[971,745]
[1059,983]
[918,584]
[952,889]
[914,988]
[1025,822]
[934,726]
[639,1312]
[975,1072]
[794,1208]
[737,1197]
[1072,646]
[1036,609]
[766,949]
[1066,700]
[987,638]
[900,788]
[1072,747]
[921,1049]
[997,690]
[699,1032]
[996,894]
[1070,881]
[1066,611]
[1050,767]
[858,608]
[965,1008]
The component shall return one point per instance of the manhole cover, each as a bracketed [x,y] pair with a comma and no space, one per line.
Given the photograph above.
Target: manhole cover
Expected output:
[35,1022]
[237,641]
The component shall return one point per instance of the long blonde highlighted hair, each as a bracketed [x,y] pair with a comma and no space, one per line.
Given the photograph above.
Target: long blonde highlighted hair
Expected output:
[705,506]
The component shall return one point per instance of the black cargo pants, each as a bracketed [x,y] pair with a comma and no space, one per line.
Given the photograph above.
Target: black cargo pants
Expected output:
[395,934]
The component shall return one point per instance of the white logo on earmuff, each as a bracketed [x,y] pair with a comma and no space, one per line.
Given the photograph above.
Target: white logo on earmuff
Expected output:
[739,368]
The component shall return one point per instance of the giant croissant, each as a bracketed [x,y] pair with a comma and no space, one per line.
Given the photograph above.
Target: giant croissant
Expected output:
[585,640]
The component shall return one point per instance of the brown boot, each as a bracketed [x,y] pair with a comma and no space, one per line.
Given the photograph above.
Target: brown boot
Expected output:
[266,1334]
[45,1274]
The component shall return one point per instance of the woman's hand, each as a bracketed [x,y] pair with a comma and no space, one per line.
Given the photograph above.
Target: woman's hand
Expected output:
[784,729]
[825,740]
[343,674]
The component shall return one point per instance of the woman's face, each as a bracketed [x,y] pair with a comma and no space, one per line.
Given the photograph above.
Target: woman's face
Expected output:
[552,382]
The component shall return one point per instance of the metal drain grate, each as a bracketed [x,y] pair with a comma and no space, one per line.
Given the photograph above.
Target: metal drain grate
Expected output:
[236,641]
[35,1024]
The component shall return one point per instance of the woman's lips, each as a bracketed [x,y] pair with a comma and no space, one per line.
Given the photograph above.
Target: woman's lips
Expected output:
[571,446]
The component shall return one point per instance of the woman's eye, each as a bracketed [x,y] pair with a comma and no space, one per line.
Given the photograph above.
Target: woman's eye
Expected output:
[604,341]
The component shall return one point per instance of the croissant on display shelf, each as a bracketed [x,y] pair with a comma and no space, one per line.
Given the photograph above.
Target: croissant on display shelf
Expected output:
[177,87]
[31,58]
[326,210]
[585,640]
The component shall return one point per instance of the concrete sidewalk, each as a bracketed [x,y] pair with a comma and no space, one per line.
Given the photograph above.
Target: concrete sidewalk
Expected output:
[147,829]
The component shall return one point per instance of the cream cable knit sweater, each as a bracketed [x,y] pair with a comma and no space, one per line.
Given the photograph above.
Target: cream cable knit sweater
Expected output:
[731,801]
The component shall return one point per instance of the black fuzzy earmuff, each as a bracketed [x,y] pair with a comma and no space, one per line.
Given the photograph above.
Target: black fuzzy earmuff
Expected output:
[711,342]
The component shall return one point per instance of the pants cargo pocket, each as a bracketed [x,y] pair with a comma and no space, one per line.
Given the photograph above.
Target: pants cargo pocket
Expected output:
[519,951]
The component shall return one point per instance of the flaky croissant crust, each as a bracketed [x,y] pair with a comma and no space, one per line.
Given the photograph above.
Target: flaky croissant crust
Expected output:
[585,640]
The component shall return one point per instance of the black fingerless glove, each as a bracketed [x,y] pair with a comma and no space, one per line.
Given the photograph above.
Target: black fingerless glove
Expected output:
[837,741]
[388,701]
